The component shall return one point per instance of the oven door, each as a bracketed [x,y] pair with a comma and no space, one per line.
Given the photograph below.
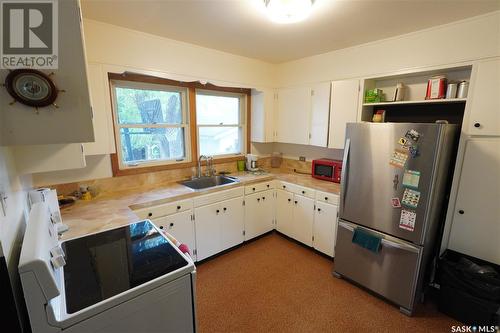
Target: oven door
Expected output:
[323,171]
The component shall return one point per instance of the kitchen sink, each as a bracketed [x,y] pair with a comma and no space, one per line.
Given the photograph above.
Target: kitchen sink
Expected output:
[207,182]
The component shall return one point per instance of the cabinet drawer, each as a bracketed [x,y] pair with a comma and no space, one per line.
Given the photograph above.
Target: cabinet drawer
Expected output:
[259,187]
[165,209]
[327,197]
[218,196]
[297,189]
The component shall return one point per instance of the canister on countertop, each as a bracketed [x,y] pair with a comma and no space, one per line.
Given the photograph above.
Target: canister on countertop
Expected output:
[436,87]
[276,159]
[451,90]
[463,88]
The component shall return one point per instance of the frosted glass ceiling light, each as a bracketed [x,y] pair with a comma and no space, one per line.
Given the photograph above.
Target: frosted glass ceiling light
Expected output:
[288,11]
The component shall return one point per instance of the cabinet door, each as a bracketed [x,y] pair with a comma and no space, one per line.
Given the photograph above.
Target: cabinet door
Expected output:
[180,226]
[325,227]
[232,222]
[43,158]
[320,111]
[344,109]
[258,214]
[263,115]
[475,229]
[303,216]
[484,100]
[284,212]
[208,230]
[101,144]
[294,108]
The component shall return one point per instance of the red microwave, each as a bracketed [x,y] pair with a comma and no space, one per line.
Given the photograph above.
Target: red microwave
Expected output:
[327,169]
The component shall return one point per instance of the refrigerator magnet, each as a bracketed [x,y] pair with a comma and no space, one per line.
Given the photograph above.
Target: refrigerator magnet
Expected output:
[407,220]
[410,198]
[411,178]
[395,203]
[412,135]
[399,158]
[403,141]
[413,150]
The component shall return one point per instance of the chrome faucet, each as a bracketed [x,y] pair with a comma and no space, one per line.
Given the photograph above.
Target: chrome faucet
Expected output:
[210,166]
[199,164]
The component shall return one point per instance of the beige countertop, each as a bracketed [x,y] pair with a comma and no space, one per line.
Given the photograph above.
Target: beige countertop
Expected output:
[113,209]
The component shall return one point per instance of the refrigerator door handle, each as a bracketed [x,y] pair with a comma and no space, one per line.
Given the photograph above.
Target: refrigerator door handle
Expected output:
[384,241]
[343,176]
[400,246]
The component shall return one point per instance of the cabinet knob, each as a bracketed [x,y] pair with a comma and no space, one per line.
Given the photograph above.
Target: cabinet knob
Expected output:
[217,211]
[171,224]
[161,227]
[296,202]
[258,199]
[319,209]
[289,200]
[303,192]
[477,125]
[178,207]
[263,198]
[461,212]
[253,189]
[284,186]
[225,208]
[326,198]
[267,185]
[150,214]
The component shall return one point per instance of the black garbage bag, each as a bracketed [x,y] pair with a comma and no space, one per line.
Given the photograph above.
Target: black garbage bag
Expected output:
[478,280]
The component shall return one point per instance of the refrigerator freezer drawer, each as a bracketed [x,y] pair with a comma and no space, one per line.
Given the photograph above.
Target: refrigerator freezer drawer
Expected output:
[392,272]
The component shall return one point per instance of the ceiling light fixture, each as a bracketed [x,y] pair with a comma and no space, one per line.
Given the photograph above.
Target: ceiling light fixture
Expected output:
[288,11]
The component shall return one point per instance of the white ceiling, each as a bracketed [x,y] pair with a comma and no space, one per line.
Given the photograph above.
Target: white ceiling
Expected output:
[240,26]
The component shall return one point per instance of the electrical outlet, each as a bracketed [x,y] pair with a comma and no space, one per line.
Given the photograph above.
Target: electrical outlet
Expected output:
[302,158]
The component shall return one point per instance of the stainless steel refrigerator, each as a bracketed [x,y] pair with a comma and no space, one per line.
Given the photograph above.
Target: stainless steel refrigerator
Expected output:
[393,188]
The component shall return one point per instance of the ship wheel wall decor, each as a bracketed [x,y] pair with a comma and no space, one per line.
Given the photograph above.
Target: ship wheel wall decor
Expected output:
[31,87]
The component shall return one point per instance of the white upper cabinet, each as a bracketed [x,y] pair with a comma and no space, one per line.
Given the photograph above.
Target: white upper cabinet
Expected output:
[71,121]
[99,96]
[484,99]
[43,158]
[303,115]
[294,105]
[263,115]
[320,111]
[344,109]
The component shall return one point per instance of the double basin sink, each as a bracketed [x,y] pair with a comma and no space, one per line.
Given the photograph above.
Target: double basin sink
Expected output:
[209,182]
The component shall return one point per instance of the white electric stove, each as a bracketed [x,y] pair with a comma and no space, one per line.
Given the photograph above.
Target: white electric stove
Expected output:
[128,279]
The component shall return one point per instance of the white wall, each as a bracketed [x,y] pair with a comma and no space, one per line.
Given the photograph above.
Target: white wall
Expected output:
[12,224]
[115,45]
[465,40]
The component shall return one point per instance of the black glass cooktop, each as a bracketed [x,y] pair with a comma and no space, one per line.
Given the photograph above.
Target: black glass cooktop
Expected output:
[103,265]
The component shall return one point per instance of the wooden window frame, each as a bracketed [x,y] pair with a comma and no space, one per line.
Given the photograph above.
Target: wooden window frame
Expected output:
[193,133]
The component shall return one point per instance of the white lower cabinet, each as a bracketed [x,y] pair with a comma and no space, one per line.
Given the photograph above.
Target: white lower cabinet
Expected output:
[232,225]
[180,226]
[325,228]
[284,212]
[224,219]
[303,216]
[259,213]
[218,226]
[207,228]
